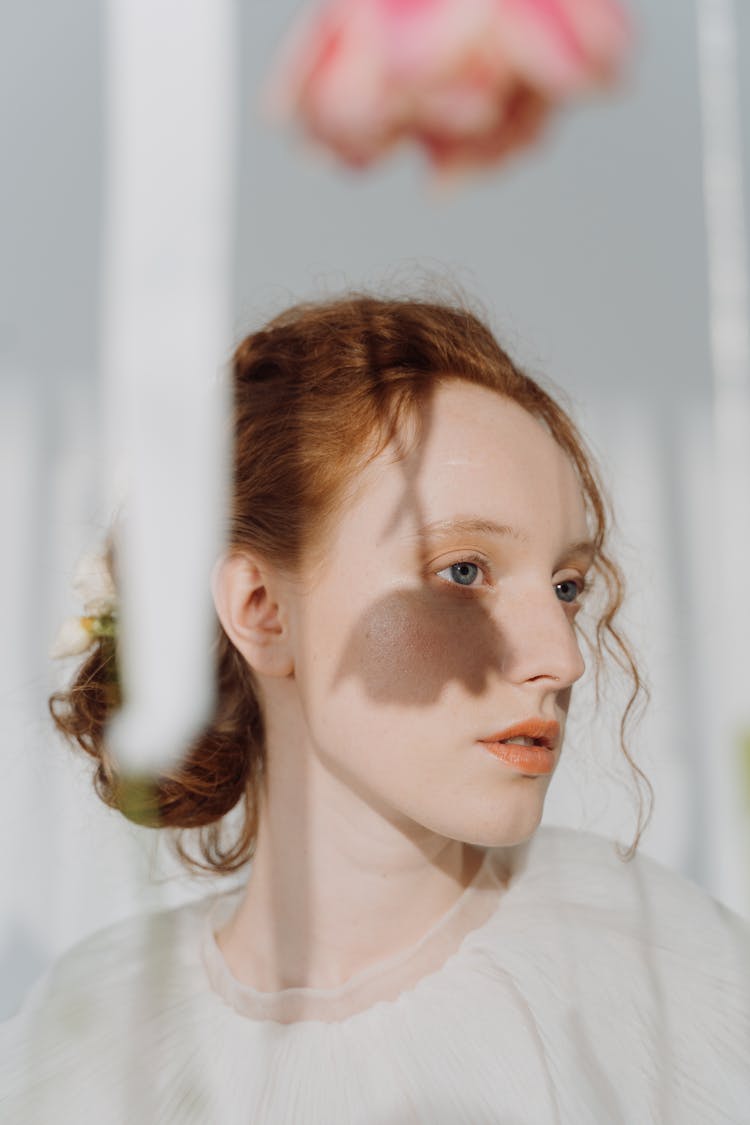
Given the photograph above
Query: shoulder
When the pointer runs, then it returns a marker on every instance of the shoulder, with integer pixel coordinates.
(572, 897)
(625, 963)
(115, 955)
(580, 865)
(95, 1005)
(584, 877)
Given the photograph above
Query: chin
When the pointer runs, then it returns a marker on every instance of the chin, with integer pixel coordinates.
(504, 829)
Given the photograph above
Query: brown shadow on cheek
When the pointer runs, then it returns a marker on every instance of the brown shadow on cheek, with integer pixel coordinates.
(410, 644)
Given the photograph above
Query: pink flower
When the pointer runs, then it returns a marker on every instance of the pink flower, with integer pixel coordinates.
(468, 80)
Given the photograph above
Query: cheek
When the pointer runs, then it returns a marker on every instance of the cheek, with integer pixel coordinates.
(409, 645)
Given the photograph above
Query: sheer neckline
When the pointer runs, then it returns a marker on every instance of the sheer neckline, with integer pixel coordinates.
(383, 981)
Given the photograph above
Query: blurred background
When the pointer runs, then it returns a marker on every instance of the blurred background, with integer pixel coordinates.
(590, 256)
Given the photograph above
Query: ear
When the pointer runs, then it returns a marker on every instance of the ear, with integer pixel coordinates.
(247, 596)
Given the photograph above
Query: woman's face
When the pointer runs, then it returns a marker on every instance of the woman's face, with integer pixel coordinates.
(444, 614)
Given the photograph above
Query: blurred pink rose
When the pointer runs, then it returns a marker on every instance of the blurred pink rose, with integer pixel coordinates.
(469, 80)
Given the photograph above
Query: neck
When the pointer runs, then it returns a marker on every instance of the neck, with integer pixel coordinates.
(335, 886)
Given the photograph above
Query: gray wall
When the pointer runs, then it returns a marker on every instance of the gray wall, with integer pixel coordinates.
(589, 252)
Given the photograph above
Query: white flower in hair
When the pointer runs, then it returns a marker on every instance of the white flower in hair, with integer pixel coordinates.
(93, 584)
(95, 588)
(73, 638)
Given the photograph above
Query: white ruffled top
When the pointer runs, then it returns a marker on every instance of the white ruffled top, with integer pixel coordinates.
(564, 986)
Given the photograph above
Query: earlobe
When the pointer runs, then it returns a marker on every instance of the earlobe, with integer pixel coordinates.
(247, 604)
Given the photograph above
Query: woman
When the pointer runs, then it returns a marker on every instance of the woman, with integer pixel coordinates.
(416, 528)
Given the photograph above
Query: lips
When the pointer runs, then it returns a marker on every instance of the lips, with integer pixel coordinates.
(545, 732)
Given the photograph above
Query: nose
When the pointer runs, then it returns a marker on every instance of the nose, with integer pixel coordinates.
(538, 640)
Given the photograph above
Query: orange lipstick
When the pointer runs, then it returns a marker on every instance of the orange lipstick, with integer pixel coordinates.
(538, 758)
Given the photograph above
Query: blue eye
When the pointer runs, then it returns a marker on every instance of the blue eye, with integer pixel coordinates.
(464, 572)
(569, 590)
(460, 572)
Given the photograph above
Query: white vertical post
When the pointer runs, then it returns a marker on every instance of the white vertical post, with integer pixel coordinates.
(169, 174)
(730, 347)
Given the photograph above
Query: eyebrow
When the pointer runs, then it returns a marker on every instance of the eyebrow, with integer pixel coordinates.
(472, 525)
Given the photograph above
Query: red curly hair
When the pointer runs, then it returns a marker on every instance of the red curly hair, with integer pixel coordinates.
(310, 391)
